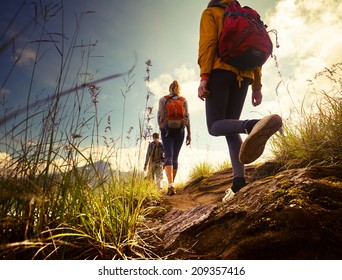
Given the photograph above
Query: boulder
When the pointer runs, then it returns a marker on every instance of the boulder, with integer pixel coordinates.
(294, 214)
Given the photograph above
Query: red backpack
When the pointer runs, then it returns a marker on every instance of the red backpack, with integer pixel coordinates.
(175, 112)
(244, 42)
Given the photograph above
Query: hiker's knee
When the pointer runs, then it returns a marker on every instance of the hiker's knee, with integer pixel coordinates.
(212, 131)
(168, 161)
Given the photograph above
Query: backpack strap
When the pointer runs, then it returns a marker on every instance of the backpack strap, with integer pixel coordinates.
(235, 14)
(223, 6)
(168, 97)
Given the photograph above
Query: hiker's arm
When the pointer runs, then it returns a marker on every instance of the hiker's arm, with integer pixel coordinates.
(187, 123)
(256, 87)
(207, 43)
(207, 50)
(188, 136)
(163, 157)
(160, 113)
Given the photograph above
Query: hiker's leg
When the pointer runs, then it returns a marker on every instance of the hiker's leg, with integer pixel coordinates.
(168, 143)
(174, 173)
(223, 110)
(221, 85)
(159, 176)
(155, 172)
(149, 171)
(178, 142)
(234, 143)
(169, 173)
(237, 96)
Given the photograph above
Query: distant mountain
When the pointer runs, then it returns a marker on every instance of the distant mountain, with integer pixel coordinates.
(101, 167)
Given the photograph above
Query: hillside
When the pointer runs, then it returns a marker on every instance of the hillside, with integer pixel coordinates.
(293, 214)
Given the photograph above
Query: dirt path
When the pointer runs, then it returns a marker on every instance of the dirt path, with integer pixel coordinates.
(189, 204)
(202, 191)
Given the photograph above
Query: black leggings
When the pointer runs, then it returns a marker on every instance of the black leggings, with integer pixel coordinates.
(172, 143)
(223, 110)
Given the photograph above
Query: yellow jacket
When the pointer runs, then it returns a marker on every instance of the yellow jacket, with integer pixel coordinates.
(210, 30)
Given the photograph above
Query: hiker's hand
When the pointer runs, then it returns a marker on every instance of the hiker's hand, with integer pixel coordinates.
(188, 140)
(202, 90)
(256, 97)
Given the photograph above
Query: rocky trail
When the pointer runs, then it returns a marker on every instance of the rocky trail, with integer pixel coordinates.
(292, 214)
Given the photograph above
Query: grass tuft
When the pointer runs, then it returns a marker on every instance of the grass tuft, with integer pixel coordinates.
(316, 137)
(203, 169)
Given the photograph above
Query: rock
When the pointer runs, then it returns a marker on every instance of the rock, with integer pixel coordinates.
(179, 221)
(295, 214)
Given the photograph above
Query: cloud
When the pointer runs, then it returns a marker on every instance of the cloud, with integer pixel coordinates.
(7, 165)
(185, 73)
(160, 85)
(308, 28)
(25, 57)
(309, 38)
(4, 158)
(4, 91)
(188, 80)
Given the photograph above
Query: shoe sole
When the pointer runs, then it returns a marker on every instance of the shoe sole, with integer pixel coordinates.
(254, 145)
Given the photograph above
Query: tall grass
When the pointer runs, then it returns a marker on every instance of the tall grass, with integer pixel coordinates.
(315, 138)
(74, 219)
(50, 207)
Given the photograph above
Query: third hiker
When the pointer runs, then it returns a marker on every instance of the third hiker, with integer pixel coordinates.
(155, 160)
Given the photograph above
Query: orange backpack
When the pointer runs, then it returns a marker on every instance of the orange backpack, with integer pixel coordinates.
(175, 112)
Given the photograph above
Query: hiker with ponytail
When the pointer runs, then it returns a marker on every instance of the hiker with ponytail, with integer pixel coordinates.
(226, 72)
(173, 118)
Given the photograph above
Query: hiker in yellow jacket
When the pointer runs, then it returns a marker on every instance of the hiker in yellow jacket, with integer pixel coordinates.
(224, 89)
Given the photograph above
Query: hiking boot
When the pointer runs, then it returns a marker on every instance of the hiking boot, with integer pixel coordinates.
(171, 191)
(229, 195)
(254, 145)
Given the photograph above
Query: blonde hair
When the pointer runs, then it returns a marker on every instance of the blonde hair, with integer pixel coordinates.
(174, 88)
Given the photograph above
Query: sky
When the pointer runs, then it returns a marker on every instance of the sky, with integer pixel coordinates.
(127, 33)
